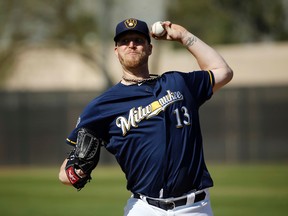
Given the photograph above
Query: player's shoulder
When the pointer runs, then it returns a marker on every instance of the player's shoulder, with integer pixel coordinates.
(172, 73)
(195, 77)
(113, 93)
(169, 74)
(176, 75)
(182, 74)
(107, 95)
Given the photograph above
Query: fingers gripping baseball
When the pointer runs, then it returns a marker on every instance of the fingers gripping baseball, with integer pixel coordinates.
(169, 31)
(158, 30)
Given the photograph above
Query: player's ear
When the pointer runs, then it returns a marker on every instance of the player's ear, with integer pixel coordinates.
(116, 50)
(150, 49)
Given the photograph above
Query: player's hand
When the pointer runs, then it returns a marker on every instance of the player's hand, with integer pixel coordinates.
(174, 32)
(80, 173)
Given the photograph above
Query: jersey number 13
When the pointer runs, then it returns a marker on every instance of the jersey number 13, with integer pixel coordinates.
(182, 117)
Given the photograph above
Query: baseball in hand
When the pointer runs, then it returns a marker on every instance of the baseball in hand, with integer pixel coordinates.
(158, 30)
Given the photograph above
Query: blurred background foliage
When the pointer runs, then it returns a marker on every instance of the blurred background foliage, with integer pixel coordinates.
(77, 24)
(226, 21)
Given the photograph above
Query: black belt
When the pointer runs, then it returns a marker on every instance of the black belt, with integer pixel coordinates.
(170, 204)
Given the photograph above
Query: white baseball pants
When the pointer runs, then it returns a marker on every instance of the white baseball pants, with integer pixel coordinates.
(138, 207)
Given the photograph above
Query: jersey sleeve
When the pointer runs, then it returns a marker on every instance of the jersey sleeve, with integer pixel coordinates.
(90, 119)
(201, 85)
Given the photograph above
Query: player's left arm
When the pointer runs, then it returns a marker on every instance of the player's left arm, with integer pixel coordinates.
(62, 174)
(83, 158)
(207, 57)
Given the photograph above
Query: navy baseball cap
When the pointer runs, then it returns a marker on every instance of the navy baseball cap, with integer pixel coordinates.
(132, 24)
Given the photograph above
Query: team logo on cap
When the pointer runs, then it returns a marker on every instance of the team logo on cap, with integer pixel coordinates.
(130, 23)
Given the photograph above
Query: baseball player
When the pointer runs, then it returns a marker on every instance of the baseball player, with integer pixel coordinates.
(151, 125)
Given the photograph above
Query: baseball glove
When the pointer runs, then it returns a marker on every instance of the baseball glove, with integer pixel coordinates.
(83, 158)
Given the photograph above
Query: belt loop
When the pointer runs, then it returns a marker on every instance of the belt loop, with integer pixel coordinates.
(190, 198)
(143, 198)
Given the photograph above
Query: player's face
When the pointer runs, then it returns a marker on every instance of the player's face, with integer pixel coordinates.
(133, 50)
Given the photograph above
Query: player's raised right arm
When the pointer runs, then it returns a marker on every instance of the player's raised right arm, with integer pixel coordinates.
(207, 57)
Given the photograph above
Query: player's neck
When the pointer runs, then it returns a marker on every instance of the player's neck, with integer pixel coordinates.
(130, 79)
(139, 76)
(136, 73)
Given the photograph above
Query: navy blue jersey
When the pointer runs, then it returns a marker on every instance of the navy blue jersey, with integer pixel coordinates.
(154, 132)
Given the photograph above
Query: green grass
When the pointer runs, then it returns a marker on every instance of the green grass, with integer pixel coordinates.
(239, 190)
(250, 190)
